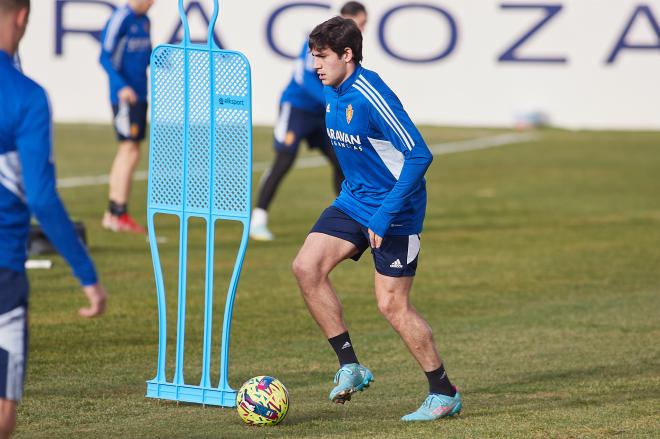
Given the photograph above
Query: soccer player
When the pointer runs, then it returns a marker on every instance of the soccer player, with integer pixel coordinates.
(381, 205)
(125, 52)
(27, 186)
(302, 117)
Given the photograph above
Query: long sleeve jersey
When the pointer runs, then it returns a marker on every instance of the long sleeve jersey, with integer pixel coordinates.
(382, 154)
(125, 52)
(27, 176)
(305, 90)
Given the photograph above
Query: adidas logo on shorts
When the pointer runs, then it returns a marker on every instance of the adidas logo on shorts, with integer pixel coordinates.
(396, 264)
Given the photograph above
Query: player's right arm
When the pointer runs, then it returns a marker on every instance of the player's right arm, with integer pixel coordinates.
(34, 145)
(114, 31)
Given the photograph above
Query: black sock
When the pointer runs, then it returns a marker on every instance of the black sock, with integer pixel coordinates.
(439, 382)
(343, 348)
(117, 209)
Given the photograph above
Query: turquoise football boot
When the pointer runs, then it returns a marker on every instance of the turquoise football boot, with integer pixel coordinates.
(435, 407)
(350, 378)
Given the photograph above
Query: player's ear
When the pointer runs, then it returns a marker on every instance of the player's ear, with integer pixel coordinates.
(22, 17)
(348, 55)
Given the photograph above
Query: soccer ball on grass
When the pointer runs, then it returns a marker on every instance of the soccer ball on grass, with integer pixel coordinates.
(262, 400)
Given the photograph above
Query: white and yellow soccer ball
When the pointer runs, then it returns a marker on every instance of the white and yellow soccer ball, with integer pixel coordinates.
(262, 400)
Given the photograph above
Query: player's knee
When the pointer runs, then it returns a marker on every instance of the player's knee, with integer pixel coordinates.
(391, 309)
(305, 271)
(300, 268)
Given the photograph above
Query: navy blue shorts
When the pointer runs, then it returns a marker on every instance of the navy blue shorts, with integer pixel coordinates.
(295, 125)
(13, 333)
(397, 255)
(130, 121)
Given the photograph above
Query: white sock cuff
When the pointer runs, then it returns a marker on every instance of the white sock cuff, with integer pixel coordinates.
(259, 217)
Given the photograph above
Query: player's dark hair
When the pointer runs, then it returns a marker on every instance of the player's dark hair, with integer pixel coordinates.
(12, 5)
(352, 9)
(337, 34)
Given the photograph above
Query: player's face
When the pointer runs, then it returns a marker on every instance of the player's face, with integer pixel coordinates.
(360, 19)
(332, 68)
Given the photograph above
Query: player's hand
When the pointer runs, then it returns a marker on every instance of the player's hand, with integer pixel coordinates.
(97, 297)
(127, 94)
(374, 240)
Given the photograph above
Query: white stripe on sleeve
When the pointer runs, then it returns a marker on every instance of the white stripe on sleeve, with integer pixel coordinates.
(113, 28)
(387, 107)
(358, 85)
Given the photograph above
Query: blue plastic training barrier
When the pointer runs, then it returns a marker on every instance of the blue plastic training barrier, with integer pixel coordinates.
(200, 166)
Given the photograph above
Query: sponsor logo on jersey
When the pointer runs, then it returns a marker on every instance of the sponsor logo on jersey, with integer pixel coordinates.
(138, 44)
(344, 137)
(349, 113)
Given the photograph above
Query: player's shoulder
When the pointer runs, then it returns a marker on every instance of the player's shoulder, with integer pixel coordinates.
(119, 15)
(372, 89)
(25, 87)
(373, 81)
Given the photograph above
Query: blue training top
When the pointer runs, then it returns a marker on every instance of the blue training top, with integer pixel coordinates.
(381, 152)
(305, 90)
(125, 52)
(27, 176)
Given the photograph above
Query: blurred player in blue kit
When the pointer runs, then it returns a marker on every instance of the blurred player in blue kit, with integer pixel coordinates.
(125, 54)
(301, 117)
(27, 187)
(381, 206)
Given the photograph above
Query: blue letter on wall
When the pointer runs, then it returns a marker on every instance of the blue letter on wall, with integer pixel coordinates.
(61, 30)
(453, 32)
(510, 55)
(271, 23)
(623, 44)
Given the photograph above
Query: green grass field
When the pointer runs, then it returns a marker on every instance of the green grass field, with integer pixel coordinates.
(539, 272)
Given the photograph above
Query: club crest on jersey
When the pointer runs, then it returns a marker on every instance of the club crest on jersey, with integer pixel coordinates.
(349, 113)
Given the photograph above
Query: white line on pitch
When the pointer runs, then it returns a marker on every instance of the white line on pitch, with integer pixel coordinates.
(319, 161)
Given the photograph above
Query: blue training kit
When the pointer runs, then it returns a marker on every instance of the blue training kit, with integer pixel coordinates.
(305, 90)
(27, 178)
(382, 154)
(125, 52)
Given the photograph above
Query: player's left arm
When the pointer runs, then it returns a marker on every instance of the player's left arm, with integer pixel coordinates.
(388, 115)
(34, 143)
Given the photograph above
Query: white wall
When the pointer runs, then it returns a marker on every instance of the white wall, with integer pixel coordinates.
(469, 86)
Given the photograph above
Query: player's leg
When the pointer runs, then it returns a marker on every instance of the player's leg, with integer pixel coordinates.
(13, 345)
(123, 166)
(286, 141)
(396, 263)
(393, 296)
(130, 126)
(7, 418)
(270, 182)
(333, 238)
(318, 256)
